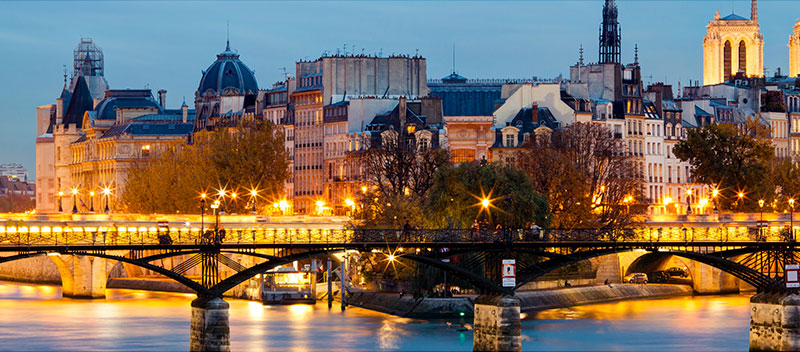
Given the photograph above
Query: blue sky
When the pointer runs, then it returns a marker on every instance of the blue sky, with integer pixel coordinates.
(167, 44)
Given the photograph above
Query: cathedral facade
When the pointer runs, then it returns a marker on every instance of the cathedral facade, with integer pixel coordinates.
(733, 44)
(794, 52)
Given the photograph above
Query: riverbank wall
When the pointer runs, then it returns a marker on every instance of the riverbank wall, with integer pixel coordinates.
(430, 308)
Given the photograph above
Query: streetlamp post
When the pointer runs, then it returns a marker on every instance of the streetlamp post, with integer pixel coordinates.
(688, 201)
(91, 201)
(107, 197)
(202, 213)
(741, 201)
(253, 195)
(60, 196)
(714, 194)
(75, 200)
(791, 216)
(761, 218)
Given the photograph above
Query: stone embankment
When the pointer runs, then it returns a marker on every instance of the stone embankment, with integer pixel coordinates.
(429, 308)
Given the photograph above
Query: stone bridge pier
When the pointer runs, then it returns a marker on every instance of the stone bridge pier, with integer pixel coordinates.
(775, 322)
(497, 325)
(210, 325)
(82, 276)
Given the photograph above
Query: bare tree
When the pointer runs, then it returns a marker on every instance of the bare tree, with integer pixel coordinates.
(587, 178)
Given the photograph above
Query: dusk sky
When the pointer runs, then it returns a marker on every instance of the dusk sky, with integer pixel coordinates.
(167, 44)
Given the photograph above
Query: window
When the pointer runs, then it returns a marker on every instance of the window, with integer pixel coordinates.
(463, 155)
(509, 140)
(145, 151)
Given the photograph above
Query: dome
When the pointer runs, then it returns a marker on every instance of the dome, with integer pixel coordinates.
(228, 76)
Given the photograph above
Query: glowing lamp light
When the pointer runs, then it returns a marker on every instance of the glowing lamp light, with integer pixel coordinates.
(106, 191)
(91, 193)
(760, 203)
(221, 193)
(283, 204)
(391, 257)
(740, 195)
(253, 193)
(714, 192)
(203, 195)
(233, 195)
(60, 193)
(349, 202)
(363, 189)
(74, 191)
(703, 202)
(320, 204)
(485, 202)
(667, 201)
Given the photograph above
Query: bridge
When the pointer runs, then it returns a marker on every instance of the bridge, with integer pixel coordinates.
(82, 255)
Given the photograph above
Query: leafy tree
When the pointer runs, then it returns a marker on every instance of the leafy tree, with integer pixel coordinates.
(732, 158)
(237, 159)
(455, 200)
(586, 177)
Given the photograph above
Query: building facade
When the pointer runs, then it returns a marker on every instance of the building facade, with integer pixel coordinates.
(733, 44)
(794, 52)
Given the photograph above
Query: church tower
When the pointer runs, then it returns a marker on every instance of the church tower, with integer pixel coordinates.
(610, 40)
(794, 52)
(733, 44)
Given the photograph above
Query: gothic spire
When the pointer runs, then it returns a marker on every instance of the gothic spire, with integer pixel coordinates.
(754, 11)
(610, 39)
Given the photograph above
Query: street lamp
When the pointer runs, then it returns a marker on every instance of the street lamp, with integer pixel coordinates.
(688, 201)
(485, 203)
(320, 207)
(791, 215)
(761, 218)
(60, 196)
(667, 200)
(253, 195)
(74, 200)
(283, 204)
(215, 206)
(202, 212)
(741, 201)
(106, 195)
(714, 194)
(91, 201)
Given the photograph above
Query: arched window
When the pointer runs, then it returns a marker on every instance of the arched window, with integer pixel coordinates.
(727, 56)
(742, 57)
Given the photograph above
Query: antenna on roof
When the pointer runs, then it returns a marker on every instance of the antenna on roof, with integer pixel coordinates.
(65, 76)
(581, 55)
(454, 58)
(228, 35)
(636, 53)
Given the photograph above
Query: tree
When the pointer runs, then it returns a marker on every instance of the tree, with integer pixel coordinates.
(732, 158)
(586, 177)
(238, 159)
(455, 200)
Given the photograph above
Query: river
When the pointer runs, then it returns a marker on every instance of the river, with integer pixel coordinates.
(35, 317)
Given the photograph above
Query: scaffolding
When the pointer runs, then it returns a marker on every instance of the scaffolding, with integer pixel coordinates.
(87, 59)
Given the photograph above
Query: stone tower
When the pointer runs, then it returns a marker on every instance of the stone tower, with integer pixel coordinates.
(794, 52)
(733, 44)
(610, 39)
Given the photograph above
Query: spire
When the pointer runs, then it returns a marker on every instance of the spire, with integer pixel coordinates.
(610, 39)
(754, 11)
(228, 36)
(717, 16)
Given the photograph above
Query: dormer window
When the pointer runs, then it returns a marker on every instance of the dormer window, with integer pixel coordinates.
(510, 141)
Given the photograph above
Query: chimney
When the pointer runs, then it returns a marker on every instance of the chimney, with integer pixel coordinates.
(535, 112)
(401, 113)
(185, 110)
(162, 98)
(59, 108)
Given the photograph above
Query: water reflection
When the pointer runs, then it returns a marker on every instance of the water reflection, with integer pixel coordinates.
(35, 317)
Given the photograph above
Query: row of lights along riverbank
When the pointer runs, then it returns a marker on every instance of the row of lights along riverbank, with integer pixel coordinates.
(105, 191)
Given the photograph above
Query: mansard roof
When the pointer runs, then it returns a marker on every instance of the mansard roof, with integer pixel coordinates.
(150, 128)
